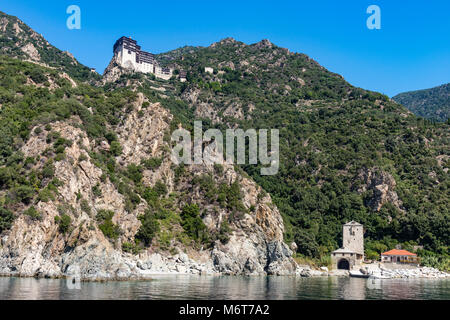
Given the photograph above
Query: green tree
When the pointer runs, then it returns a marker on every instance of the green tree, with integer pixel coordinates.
(115, 148)
(25, 194)
(148, 229)
(306, 243)
(192, 223)
(6, 219)
(108, 228)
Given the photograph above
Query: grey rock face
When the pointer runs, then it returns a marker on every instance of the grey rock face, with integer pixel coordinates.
(382, 185)
(38, 248)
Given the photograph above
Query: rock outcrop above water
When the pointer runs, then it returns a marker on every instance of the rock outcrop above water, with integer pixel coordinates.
(37, 247)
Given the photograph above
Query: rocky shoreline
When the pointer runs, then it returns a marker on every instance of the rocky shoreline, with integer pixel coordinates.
(419, 272)
(90, 263)
(144, 267)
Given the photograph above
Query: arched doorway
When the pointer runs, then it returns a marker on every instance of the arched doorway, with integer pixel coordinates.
(343, 264)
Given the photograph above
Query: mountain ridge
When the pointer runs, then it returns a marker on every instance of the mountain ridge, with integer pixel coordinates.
(18, 40)
(433, 103)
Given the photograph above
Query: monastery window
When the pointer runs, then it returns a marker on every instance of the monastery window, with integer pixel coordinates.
(352, 232)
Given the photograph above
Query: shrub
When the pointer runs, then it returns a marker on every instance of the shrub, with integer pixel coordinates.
(439, 259)
(64, 222)
(160, 188)
(96, 190)
(224, 232)
(440, 262)
(131, 247)
(306, 243)
(134, 198)
(60, 156)
(6, 219)
(45, 195)
(109, 229)
(62, 143)
(179, 171)
(372, 255)
(115, 148)
(49, 169)
(82, 157)
(33, 213)
(192, 223)
(84, 205)
(29, 161)
(24, 194)
(325, 261)
(231, 197)
(152, 163)
(207, 184)
(150, 195)
(148, 229)
(134, 172)
(103, 215)
(111, 136)
(218, 169)
(374, 248)
(6, 177)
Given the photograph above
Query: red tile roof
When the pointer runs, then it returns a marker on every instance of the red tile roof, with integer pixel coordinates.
(396, 252)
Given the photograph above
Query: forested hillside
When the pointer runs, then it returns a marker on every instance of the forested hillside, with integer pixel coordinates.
(346, 153)
(86, 182)
(433, 104)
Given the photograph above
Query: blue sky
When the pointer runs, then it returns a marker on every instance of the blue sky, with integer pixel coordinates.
(411, 51)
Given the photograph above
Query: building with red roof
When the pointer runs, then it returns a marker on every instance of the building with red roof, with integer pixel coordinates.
(399, 256)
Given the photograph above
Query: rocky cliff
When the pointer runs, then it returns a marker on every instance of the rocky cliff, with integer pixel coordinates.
(38, 247)
(380, 185)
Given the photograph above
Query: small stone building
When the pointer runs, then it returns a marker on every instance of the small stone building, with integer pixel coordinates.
(352, 252)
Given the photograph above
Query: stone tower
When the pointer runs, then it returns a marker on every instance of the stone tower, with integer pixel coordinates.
(351, 254)
(353, 237)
